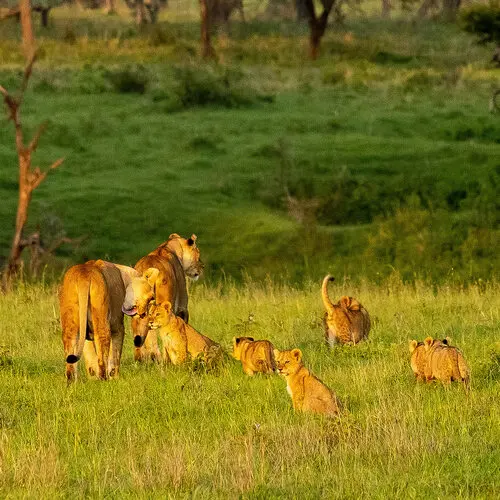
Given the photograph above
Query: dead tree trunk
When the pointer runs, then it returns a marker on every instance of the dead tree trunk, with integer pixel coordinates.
(29, 178)
(317, 25)
(27, 29)
(207, 51)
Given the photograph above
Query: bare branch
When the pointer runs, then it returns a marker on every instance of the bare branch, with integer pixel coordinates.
(14, 11)
(56, 164)
(34, 142)
(61, 241)
(26, 77)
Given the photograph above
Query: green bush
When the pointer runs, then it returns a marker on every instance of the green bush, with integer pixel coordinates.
(130, 79)
(483, 21)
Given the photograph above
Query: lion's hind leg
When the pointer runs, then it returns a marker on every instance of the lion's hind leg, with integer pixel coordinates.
(90, 356)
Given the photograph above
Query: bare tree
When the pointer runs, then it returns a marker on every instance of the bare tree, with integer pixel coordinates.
(27, 29)
(207, 50)
(29, 178)
(317, 24)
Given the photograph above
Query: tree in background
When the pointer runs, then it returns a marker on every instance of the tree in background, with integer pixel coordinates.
(317, 25)
(484, 21)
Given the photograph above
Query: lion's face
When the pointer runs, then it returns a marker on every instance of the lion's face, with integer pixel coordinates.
(288, 362)
(188, 253)
(238, 343)
(159, 315)
(139, 293)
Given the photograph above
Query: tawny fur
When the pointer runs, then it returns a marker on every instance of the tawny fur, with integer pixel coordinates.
(418, 359)
(347, 321)
(256, 356)
(308, 393)
(445, 363)
(91, 298)
(181, 341)
(176, 258)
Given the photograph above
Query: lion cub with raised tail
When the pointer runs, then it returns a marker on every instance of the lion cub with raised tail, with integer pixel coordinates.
(256, 356)
(307, 391)
(180, 340)
(445, 362)
(347, 321)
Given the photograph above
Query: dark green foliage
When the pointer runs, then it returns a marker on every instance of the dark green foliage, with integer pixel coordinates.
(483, 21)
(130, 79)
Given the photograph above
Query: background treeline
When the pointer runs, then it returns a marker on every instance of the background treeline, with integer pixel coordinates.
(381, 156)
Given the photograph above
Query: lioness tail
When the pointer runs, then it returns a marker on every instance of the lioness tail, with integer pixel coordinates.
(83, 302)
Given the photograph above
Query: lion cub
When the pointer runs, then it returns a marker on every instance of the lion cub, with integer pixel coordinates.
(445, 363)
(255, 355)
(307, 391)
(418, 359)
(347, 321)
(180, 339)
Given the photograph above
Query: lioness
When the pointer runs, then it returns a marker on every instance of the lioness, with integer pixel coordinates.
(445, 363)
(255, 355)
(91, 299)
(307, 391)
(347, 321)
(175, 259)
(179, 339)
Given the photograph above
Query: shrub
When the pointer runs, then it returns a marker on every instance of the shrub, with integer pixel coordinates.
(130, 79)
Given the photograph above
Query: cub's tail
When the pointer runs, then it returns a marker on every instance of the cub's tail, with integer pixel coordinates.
(324, 294)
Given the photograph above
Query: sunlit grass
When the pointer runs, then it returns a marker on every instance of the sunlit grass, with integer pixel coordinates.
(163, 431)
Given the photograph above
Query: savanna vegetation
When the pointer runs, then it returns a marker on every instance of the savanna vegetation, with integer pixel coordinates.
(379, 162)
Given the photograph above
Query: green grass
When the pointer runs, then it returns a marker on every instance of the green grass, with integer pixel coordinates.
(165, 432)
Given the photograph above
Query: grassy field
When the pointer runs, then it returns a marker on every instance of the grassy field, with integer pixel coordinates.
(393, 116)
(164, 432)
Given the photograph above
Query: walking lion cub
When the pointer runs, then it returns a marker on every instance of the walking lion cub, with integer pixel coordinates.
(308, 393)
(180, 340)
(347, 321)
(255, 355)
(445, 362)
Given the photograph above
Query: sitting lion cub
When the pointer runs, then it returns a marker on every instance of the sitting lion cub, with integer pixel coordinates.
(255, 355)
(445, 363)
(347, 321)
(307, 391)
(180, 339)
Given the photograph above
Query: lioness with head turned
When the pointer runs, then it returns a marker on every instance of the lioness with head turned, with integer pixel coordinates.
(91, 299)
(180, 340)
(256, 356)
(308, 393)
(175, 259)
(347, 321)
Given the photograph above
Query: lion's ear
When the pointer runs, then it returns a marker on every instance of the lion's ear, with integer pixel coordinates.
(151, 275)
(251, 339)
(276, 353)
(173, 235)
(446, 341)
(428, 342)
(192, 240)
(167, 306)
(413, 345)
(297, 354)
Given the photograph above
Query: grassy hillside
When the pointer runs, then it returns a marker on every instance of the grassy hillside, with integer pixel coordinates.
(161, 432)
(389, 131)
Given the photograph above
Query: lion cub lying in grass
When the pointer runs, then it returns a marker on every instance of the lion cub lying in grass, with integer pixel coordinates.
(255, 355)
(435, 359)
(307, 391)
(181, 340)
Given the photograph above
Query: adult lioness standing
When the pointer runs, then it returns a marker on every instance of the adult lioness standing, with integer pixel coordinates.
(91, 299)
(175, 259)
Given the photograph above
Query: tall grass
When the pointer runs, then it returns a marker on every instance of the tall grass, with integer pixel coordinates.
(165, 432)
